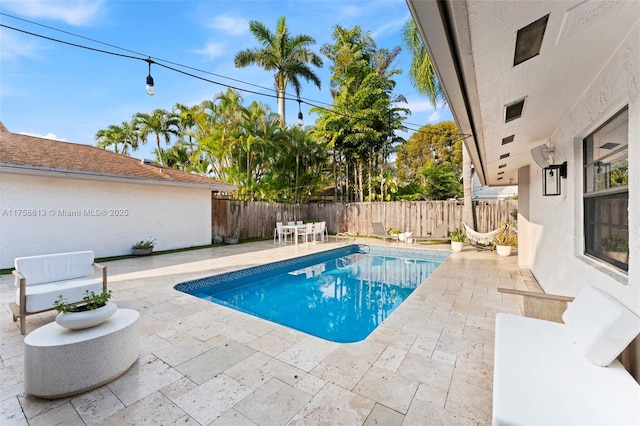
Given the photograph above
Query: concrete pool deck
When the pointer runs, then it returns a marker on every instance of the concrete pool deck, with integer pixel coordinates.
(430, 362)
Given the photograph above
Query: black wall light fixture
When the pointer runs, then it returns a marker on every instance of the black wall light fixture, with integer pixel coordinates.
(551, 178)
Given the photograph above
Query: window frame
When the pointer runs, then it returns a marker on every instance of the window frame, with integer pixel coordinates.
(596, 200)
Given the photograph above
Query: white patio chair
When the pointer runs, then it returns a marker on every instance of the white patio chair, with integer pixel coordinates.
(306, 232)
(318, 230)
(325, 231)
(279, 232)
(299, 222)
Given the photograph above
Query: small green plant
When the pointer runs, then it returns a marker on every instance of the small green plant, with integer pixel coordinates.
(90, 302)
(394, 231)
(505, 238)
(144, 244)
(458, 235)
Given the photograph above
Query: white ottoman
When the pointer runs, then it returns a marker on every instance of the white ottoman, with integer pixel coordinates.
(59, 362)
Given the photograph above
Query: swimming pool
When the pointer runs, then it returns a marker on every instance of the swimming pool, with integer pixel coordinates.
(340, 295)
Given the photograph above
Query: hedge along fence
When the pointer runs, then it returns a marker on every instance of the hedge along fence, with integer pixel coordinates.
(254, 219)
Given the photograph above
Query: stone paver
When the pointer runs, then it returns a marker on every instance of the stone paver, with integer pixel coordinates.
(430, 362)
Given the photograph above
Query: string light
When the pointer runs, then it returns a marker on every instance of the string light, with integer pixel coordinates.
(150, 89)
(150, 82)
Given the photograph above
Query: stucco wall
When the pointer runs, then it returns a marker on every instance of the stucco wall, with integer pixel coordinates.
(556, 229)
(65, 214)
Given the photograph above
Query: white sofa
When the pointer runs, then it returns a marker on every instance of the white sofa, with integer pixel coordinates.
(549, 373)
(40, 280)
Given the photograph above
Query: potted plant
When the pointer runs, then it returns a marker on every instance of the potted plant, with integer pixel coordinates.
(458, 237)
(94, 310)
(233, 238)
(504, 241)
(143, 247)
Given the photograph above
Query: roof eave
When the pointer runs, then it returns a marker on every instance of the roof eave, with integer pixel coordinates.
(444, 30)
(87, 175)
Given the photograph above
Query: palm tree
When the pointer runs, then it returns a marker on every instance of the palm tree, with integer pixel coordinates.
(161, 123)
(186, 116)
(288, 56)
(421, 73)
(114, 135)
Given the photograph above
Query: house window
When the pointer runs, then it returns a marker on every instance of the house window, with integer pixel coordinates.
(606, 192)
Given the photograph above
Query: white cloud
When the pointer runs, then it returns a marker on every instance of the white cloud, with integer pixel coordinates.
(230, 25)
(435, 117)
(73, 12)
(391, 26)
(14, 46)
(421, 105)
(350, 12)
(211, 50)
(47, 136)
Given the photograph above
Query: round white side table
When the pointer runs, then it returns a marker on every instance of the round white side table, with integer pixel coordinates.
(60, 362)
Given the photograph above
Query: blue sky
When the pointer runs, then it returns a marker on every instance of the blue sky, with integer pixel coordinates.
(54, 90)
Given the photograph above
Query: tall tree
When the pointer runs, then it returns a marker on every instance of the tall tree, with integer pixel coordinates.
(289, 56)
(161, 123)
(438, 143)
(362, 119)
(421, 73)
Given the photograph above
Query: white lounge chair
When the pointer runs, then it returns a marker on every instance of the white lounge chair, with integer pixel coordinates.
(380, 232)
(441, 233)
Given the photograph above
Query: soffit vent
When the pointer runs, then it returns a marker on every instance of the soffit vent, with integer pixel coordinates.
(514, 110)
(609, 145)
(502, 166)
(529, 40)
(508, 139)
(500, 178)
(501, 173)
(503, 156)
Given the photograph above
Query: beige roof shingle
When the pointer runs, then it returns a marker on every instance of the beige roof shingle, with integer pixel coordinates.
(22, 151)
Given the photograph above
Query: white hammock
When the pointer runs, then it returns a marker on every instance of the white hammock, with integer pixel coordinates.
(480, 237)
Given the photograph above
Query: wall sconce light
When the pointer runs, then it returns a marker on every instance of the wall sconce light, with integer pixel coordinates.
(150, 89)
(551, 178)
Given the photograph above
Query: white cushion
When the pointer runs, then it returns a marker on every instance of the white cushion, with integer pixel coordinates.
(41, 297)
(540, 378)
(599, 325)
(55, 267)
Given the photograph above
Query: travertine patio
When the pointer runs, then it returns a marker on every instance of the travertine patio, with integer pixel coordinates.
(429, 363)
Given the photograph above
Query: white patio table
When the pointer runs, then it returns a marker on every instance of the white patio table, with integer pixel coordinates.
(295, 229)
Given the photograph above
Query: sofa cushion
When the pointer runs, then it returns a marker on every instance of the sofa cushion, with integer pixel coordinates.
(41, 297)
(55, 267)
(540, 378)
(599, 325)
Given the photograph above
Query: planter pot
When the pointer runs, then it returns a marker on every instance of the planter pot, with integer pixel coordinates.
(141, 251)
(230, 240)
(404, 236)
(86, 319)
(457, 245)
(503, 250)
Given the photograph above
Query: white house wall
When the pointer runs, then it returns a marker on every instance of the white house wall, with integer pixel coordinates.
(555, 223)
(46, 214)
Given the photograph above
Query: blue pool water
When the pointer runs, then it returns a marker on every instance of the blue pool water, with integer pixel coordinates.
(340, 295)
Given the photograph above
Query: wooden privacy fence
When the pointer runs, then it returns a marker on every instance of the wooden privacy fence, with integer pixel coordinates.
(253, 219)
